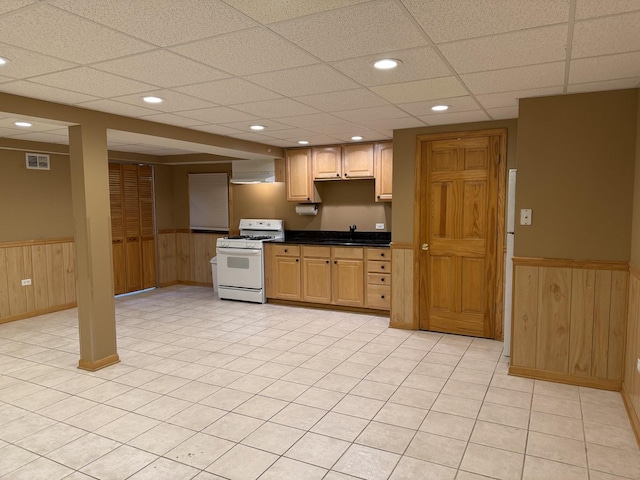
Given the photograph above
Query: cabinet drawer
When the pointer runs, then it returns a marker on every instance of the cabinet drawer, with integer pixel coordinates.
(382, 266)
(378, 279)
(378, 254)
(313, 251)
(286, 250)
(379, 296)
(347, 252)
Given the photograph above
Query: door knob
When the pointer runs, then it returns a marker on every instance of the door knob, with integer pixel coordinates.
(425, 246)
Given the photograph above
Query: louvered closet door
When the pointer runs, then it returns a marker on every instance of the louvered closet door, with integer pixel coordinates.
(145, 182)
(117, 229)
(132, 230)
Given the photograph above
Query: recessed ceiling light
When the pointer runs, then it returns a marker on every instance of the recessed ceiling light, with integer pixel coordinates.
(152, 99)
(440, 108)
(356, 137)
(386, 63)
(303, 142)
(23, 124)
(3, 61)
(257, 127)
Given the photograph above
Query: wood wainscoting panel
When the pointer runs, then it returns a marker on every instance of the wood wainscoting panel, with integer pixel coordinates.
(167, 258)
(631, 382)
(49, 264)
(569, 321)
(183, 256)
(402, 288)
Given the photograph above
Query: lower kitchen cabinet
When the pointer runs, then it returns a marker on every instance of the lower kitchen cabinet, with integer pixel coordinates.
(378, 278)
(316, 274)
(283, 272)
(347, 276)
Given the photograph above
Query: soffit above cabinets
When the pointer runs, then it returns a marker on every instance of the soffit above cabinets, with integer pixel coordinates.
(303, 69)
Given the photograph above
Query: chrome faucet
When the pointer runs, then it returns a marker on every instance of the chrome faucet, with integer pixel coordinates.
(352, 230)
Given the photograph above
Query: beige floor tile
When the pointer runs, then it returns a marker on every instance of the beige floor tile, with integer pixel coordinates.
(66, 408)
(442, 358)
(555, 448)
(196, 417)
(304, 376)
(605, 414)
(375, 390)
(40, 469)
(164, 384)
(600, 397)
(50, 438)
(464, 389)
(611, 436)
(96, 417)
(298, 416)
(24, 426)
(511, 398)
(226, 399)
(557, 425)
(340, 426)
(233, 427)
(543, 469)
(504, 415)
(338, 383)
(200, 450)
(318, 450)
(613, 461)
(499, 436)
(242, 463)
(413, 397)
(283, 390)
(437, 449)
(119, 464)
(386, 437)
(434, 370)
(125, 428)
(353, 369)
(288, 469)
(492, 462)
(365, 462)
(560, 390)
(510, 382)
(41, 399)
(463, 407)
(261, 407)
(273, 438)
(358, 406)
(251, 383)
(556, 406)
(411, 469)
(471, 376)
(165, 469)
(105, 392)
(425, 382)
(194, 391)
(13, 457)
(221, 377)
(448, 425)
(401, 415)
(162, 438)
(462, 475)
(320, 398)
(83, 451)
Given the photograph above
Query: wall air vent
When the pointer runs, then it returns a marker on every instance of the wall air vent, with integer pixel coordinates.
(38, 161)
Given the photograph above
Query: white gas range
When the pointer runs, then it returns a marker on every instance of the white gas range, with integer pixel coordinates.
(241, 260)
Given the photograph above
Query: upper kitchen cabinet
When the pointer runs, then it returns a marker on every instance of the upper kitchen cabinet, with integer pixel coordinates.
(299, 179)
(383, 164)
(357, 161)
(327, 163)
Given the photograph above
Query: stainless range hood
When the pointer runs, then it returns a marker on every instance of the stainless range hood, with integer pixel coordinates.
(253, 171)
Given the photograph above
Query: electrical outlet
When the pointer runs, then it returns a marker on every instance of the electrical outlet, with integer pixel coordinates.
(525, 216)
(379, 226)
(26, 282)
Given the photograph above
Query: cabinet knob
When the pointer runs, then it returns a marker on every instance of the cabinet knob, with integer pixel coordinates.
(382, 279)
(335, 262)
(327, 261)
(285, 250)
(382, 254)
(337, 174)
(381, 296)
(381, 267)
(297, 259)
(346, 174)
(378, 196)
(308, 198)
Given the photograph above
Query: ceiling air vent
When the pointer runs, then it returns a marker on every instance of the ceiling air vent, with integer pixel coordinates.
(38, 161)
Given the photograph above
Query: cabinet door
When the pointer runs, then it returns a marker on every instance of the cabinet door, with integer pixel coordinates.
(287, 278)
(384, 171)
(327, 163)
(147, 226)
(316, 280)
(348, 282)
(298, 176)
(358, 161)
(133, 260)
(119, 269)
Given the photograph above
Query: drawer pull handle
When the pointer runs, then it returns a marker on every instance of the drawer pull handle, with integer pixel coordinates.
(285, 250)
(327, 261)
(382, 254)
(382, 279)
(335, 262)
(297, 259)
(381, 296)
(381, 267)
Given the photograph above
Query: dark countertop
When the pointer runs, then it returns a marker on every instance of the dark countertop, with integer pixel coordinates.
(335, 238)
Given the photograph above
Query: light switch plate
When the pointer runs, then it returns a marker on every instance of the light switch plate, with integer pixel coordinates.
(379, 226)
(638, 365)
(26, 282)
(525, 216)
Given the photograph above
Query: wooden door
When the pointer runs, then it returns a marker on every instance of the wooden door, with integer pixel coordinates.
(117, 230)
(133, 237)
(147, 226)
(458, 234)
(316, 280)
(358, 161)
(327, 163)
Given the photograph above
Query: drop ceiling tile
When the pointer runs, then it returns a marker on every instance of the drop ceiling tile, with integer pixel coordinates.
(63, 35)
(283, 107)
(44, 92)
(605, 85)
(306, 80)
(371, 137)
(173, 101)
(218, 115)
(161, 152)
(217, 129)
(445, 21)
(374, 113)
(510, 99)
(28, 63)
(162, 22)
(343, 100)
(456, 117)
(162, 68)
(312, 120)
(37, 125)
(346, 130)
(608, 35)
(527, 47)
(119, 108)
(393, 124)
(255, 50)
(6, 79)
(290, 133)
(171, 119)
(597, 8)
(503, 113)
(597, 69)
(417, 63)
(270, 11)
(252, 137)
(354, 31)
(457, 104)
(270, 125)
(313, 140)
(92, 82)
(420, 90)
(40, 137)
(229, 91)
(11, 5)
(518, 78)
(281, 143)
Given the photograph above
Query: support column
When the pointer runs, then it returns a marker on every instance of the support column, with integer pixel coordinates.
(94, 264)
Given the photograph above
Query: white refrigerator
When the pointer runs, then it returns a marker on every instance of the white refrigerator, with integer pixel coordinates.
(508, 289)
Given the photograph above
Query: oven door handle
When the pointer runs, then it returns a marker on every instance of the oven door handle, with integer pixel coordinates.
(245, 252)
